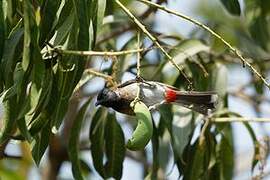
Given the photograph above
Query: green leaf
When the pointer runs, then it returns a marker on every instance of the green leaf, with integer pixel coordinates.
(39, 79)
(77, 38)
(166, 116)
(28, 34)
(44, 97)
(232, 6)
(260, 32)
(2, 30)
(48, 15)
(9, 55)
(182, 128)
(23, 129)
(195, 168)
(41, 143)
(97, 13)
(38, 123)
(64, 28)
(96, 136)
(144, 130)
(124, 63)
(115, 148)
(226, 155)
(17, 80)
(155, 153)
(9, 118)
(74, 139)
(164, 151)
(85, 168)
(255, 144)
(185, 49)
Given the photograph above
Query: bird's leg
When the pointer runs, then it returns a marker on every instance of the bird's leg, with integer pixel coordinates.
(156, 105)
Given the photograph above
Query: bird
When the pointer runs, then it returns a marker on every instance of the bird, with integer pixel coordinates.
(154, 94)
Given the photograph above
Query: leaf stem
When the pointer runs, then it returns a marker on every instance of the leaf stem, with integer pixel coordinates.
(239, 119)
(101, 53)
(98, 74)
(235, 51)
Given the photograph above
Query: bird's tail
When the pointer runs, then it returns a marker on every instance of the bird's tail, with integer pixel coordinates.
(201, 102)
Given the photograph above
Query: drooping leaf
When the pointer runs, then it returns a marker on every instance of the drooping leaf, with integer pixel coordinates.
(38, 123)
(195, 164)
(9, 55)
(73, 143)
(8, 120)
(97, 13)
(96, 136)
(64, 25)
(44, 98)
(232, 6)
(255, 144)
(48, 15)
(2, 30)
(180, 53)
(28, 34)
(78, 38)
(260, 32)
(41, 143)
(115, 148)
(23, 129)
(182, 127)
(226, 155)
(155, 154)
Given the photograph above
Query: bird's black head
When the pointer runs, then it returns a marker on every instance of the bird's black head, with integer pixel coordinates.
(106, 97)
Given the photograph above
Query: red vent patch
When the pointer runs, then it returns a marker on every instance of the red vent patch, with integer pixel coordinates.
(170, 95)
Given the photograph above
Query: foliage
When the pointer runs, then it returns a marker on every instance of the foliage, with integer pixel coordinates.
(45, 72)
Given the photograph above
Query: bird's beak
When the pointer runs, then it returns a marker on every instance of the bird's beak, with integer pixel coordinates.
(97, 103)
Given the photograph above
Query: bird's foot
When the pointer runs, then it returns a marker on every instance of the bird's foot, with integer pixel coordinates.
(154, 107)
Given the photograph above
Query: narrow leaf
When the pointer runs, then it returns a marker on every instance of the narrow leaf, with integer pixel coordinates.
(115, 148)
(96, 136)
(41, 143)
(74, 139)
(232, 6)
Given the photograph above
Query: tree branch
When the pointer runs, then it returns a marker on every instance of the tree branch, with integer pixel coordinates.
(154, 39)
(234, 50)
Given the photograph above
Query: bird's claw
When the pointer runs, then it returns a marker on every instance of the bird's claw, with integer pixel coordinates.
(155, 106)
(151, 108)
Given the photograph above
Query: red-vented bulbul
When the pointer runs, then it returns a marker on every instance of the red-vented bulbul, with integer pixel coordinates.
(153, 94)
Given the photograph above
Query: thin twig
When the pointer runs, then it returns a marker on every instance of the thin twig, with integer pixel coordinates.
(100, 53)
(154, 39)
(97, 53)
(235, 51)
(240, 119)
(98, 74)
(137, 99)
(138, 56)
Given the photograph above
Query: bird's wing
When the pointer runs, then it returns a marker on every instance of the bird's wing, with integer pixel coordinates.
(168, 86)
(127, 83)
